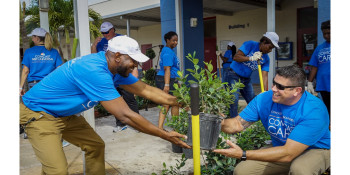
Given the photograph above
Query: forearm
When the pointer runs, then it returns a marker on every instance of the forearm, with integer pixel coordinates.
(167, 75)
(25, 72)
(265, 80)
(274, 154)
(129, 117)
(231, 125)
(152, 93)
(312, 73)
(240, 57)
(224, 59)
(93, 49)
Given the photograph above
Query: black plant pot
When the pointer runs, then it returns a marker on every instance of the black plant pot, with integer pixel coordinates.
(188, 153)
(210, 126)
(175, 148)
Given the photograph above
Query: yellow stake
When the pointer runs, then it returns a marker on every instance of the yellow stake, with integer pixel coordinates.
(196, 145)
(260, 76)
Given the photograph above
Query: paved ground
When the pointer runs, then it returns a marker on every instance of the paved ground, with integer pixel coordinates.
(127, 152)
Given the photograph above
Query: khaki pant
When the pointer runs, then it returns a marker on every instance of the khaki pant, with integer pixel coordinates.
(314, 161)
(45, 134)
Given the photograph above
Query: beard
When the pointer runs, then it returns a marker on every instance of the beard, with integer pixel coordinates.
(123, 71)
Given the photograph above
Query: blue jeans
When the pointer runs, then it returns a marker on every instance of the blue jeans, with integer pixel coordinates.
(224, 70)
(247, 92)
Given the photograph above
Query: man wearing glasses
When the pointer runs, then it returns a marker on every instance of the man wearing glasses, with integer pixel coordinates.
(108, 31)
(297, 122)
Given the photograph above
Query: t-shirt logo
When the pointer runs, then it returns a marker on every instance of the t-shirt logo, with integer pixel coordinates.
(324, 56)
(280, 126)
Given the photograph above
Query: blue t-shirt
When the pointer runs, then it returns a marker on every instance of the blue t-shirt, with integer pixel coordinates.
(103, 44)
(228, 54)
(169, 58)
(306, 122)
(76, 86)
(321, 58)
(40, 62)
(246, 68)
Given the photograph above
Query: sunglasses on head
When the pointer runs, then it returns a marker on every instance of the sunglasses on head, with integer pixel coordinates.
(281, 87)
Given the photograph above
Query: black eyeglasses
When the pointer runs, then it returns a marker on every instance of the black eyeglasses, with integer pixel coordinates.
(281, 87)
(107, 31)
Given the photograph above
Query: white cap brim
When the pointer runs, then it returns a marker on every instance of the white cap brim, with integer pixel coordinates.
(275, 44)
(139, 57)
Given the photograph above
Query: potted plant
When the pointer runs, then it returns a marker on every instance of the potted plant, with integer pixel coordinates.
(215, 98)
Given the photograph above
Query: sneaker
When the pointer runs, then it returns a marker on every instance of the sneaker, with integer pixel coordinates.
(25, 136)
(65, 143)
(120, 128)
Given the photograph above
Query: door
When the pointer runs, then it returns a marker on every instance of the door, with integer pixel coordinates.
(148, 64)
(210, 52)
(306, 34)
(210, 41)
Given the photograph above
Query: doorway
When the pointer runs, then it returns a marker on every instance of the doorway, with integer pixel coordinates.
(210, 41)
(306, 34)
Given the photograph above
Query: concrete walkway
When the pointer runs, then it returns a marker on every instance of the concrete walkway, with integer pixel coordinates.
(128, 152)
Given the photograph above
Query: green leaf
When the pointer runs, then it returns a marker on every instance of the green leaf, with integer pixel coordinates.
(195, 61)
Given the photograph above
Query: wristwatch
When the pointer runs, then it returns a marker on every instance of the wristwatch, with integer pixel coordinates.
(244, 156)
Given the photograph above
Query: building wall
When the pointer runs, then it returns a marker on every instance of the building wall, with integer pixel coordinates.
(255, 22)
(147, 35)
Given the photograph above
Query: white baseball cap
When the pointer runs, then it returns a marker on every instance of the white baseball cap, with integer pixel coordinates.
(38, 32)
(230, 43)
(273, 37)
(106, 26)
(126, 45)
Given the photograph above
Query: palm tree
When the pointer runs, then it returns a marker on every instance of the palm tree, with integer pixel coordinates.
(61, 20)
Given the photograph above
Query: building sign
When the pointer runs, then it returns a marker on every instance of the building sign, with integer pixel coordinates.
(235, 26)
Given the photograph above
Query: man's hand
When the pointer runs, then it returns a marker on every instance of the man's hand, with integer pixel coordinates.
(310, 87)
(166, 89)
(97, 40)
(235, 151)
(257, 55)
(218, 53)
(21, 92)
(174, 137)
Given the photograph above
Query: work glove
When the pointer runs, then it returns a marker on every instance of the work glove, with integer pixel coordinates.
(310, 87)
(257, 55)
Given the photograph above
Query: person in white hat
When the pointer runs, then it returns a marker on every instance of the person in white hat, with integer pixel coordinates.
(50, 111)
(40, 60)
(100, 44)
(227, 58)
(245, 62)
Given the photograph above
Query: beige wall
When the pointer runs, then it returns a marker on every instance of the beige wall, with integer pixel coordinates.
(147, 35)
(286, 25)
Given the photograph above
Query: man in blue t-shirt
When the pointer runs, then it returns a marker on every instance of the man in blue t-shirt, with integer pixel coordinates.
(297, 122)
(245, 62)
(321, 67)
(108, 31)
(50, 110)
